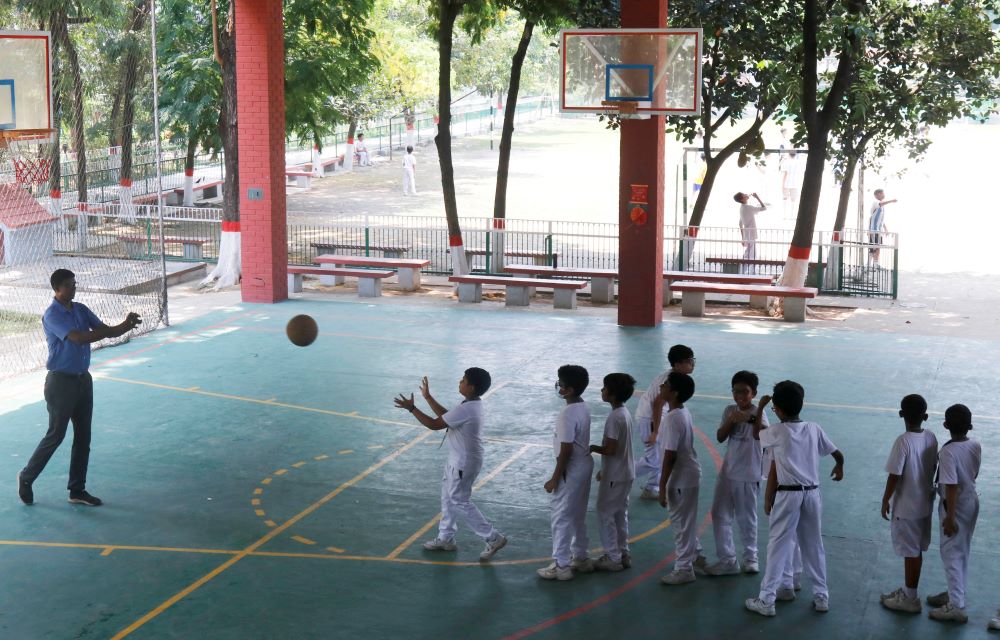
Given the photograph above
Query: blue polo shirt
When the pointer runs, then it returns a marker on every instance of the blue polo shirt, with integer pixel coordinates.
(66, 356)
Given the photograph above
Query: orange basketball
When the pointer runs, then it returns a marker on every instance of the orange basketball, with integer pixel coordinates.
(302, 330)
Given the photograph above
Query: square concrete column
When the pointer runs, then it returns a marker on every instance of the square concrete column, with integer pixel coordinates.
(260, 97)
(640, 241)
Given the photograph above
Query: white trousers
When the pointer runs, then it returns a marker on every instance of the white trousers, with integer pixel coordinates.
(456, 491)
(569, 513)
(955, 549)
(735, 501)
(409, 182)
(612, 517)
(749, 253)
(795, 515)
(683, 505)
(648, 467)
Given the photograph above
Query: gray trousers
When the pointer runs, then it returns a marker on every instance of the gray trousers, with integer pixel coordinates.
(67, 397)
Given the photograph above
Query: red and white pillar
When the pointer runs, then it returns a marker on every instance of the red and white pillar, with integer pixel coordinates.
(641, 177)
(188, 188)
(260, 95)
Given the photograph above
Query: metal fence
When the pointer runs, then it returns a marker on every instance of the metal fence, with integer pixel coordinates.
(852, 263)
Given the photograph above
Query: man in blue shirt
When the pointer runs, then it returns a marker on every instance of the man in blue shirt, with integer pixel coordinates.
(69, 327)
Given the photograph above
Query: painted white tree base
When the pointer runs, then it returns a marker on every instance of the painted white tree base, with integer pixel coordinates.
(793, 275)
(228, 270)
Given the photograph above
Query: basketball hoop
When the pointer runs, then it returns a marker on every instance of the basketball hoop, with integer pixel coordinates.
(624, 109)
(25, 149)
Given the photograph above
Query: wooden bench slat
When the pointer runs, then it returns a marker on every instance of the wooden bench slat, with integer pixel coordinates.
(519, 282)
(561, 271)
(412, 263)
(728, 278)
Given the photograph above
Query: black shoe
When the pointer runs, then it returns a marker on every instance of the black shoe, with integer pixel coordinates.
(24, 490)
(82, 497)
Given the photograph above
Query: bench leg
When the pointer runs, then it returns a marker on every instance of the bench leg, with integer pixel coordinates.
(135, 249)
(758, 302)
(795, 309)
(517, 296)
(564, 298)
(693, 304)
(602, 290)
(369, 287)
(409, 279)
(668, 295)
(332, 280)
(470, 292)
(192, 252)
(294, 283)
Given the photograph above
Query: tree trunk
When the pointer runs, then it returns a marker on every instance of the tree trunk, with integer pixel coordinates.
(130, 66)
(78, 127)
(192, 149)
(846, 187)
(448, 12)
(57, 24)
(352, 129)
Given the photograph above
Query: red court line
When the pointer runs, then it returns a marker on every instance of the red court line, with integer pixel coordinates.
(135, 352)
(631, 584)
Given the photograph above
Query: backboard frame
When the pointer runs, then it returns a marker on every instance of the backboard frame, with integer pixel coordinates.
(40, 125)
(644, 108)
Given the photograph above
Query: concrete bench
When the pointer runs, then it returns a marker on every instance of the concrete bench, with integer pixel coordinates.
(719, 278)
(388, 250)
(408, 269)
(470, 289)
(733, 265)
(369, 280)
(602, 281)
(136, 246)
(693, 297)
(203, 192)
(300, 178)
(540, 258)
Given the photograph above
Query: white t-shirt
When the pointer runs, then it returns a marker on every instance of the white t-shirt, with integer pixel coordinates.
(465, 434)
(958, 463)
(876, 217)
(748, 220)
(409, 162)
(798, 446)
(644, 410)
(744, 455)
(621, 466)
(913, 458)
(677, 434)
(573, 425)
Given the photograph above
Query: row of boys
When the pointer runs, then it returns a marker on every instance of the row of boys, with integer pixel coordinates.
(788, 453)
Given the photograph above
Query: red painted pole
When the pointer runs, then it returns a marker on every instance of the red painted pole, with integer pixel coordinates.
(260, 95)
(640, 242)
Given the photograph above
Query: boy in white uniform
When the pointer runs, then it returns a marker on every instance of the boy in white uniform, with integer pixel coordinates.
(648, 417)
(748, 227)
(409, 173)
(958, 467)
(616, 474)
(798, 507)
(464, 426)
(910, 488)
(738, 484)
(570, 481)
(681, 476)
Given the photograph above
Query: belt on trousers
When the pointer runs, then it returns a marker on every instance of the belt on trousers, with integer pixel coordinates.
(797, 487)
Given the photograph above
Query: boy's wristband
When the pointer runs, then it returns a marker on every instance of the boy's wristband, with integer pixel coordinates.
(412, 409)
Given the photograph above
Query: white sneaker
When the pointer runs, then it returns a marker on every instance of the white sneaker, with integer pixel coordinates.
(437, 544)
(948, 613)
(751, 567)
(649, 494)
(555, 572)
(678, 576)
(994, 622)
(938, 599)
(582, 565)
(898, 601)
(759, 606)
(821, 604)
(492, 547)
(605, 563)
(785, 595)
(723, 568)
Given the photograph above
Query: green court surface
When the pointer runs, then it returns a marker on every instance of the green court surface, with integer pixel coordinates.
(255, 489)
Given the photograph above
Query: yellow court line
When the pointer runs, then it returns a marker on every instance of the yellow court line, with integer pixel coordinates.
(180, 595)
(299, 465)
(322, 457)
(642, 536)
(433, 521)
(255, 502)
(335, 549)
(107, 551)
(344, 452)
(281, 472)
(112, 547)
(266, 481)
(303, 540)
(258, 491)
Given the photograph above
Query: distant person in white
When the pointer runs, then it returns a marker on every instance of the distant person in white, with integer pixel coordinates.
(792, 169)
(409, 177)
(876, 226)
(748, 228)
(362, 150)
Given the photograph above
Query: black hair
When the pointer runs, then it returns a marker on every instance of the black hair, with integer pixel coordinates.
(958, 417)
(479, 379)
(620, 385)
(788, 396)
(737, 197)
(575, 377)
(749, 378)
(60, 276)
(682, 384)
(409, 149)
(913, 408)
(679, 353)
